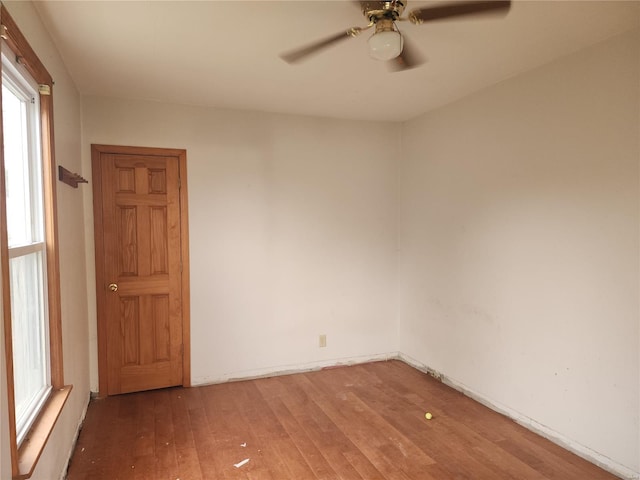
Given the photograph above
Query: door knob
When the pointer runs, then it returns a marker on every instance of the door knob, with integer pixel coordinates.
(113, 287)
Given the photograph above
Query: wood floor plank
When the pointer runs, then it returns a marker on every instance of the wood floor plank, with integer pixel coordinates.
(145, 431)
(352, 423)
(297, 424)
(188, 464)
(182, 433)
(229, 430)
(433, 438)
(294, 425)
(206, 447)
(385, 447)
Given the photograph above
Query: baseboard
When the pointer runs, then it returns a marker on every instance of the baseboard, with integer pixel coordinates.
(582, 451)
(291, 369)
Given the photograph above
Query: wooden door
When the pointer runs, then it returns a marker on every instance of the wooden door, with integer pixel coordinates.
(141, 267)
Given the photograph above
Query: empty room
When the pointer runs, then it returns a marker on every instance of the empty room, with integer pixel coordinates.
(300, 239)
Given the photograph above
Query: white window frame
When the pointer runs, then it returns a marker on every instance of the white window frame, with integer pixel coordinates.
(16, 79)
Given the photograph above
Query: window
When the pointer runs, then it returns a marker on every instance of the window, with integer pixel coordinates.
(28, 250)
(25, 232)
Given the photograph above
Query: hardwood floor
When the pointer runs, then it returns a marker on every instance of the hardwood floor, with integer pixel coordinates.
(360, 422)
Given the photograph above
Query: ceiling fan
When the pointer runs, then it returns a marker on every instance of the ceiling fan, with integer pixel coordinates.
(387, 43)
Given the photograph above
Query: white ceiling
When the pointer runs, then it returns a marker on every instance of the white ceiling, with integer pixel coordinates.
(225, 53)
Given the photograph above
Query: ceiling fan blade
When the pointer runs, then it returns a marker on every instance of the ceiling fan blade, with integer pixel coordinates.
(409, 58)
(458, 9)
(300, 54)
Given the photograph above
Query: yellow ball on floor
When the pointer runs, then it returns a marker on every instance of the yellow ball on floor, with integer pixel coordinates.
(428, 416)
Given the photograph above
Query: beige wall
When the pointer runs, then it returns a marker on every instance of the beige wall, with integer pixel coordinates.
(519, 248)
(72, 258)
(292, 232)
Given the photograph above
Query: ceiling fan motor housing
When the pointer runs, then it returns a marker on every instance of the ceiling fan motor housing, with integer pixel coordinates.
(375, 11)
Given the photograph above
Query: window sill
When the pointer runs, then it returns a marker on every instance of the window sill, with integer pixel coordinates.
(36, 439)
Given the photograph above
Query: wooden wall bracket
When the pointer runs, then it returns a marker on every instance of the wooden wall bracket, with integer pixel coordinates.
(69, 178)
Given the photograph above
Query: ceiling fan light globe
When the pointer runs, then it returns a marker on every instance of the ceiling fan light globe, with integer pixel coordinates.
(385, 45)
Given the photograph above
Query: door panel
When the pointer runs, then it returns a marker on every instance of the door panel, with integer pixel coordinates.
(140, 279)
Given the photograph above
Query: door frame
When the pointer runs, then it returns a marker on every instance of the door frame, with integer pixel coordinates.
(101, 292)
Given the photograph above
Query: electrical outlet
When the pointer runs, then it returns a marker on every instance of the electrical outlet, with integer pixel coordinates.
(323, 341)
